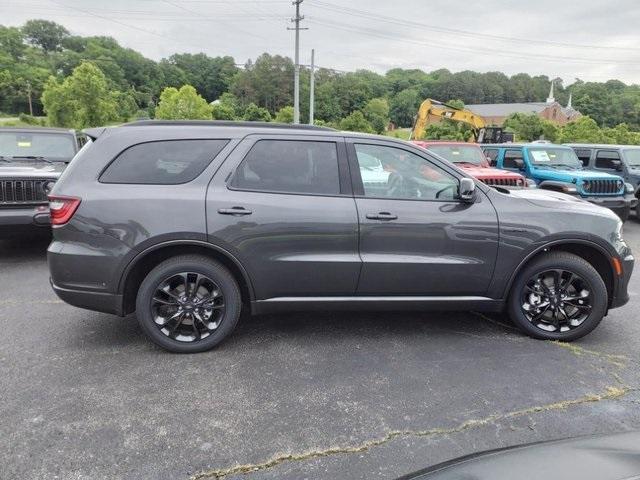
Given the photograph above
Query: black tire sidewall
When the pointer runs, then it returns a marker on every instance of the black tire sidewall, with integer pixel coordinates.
(571, 263)
(211, 269)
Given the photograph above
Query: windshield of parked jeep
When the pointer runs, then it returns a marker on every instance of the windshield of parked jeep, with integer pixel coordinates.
(563, 158)
(460, 154)
(632, 156)
(34, 145)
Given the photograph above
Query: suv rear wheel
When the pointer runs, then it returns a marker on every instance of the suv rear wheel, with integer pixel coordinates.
(188, 304)
(558, 296)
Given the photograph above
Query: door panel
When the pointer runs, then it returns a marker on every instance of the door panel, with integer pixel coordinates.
(425, 242)
(290, 244)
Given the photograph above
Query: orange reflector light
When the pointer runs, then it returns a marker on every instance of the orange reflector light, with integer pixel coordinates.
(617, 266)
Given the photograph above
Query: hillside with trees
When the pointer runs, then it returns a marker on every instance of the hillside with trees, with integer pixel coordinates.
(83, 81)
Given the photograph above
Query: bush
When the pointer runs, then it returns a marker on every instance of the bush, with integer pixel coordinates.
(254, 113)
(356, 123)
(285, 115)
(183, 104)
(31, 120)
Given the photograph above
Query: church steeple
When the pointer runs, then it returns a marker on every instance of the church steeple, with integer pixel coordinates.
(551, 98)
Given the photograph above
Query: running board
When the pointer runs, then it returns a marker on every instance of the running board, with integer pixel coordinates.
(451, 303)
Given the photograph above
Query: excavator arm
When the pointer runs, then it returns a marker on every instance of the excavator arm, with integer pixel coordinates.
(432, 111)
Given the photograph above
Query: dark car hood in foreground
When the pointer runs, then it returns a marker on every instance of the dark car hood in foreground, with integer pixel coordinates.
(35, 169)
(606, 457)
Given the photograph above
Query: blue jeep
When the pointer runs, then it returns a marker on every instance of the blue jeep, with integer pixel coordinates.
(556, 167)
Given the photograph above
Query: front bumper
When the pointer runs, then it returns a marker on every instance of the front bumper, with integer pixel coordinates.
(621, 295)
(31, 215)
(620, 202)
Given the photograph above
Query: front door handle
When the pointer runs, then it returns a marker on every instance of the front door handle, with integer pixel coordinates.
(382, 216)
(236, 211)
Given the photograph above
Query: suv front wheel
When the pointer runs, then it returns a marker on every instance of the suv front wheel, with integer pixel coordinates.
(558, 296)
(188, 304)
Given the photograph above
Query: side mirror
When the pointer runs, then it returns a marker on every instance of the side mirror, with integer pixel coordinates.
(617, 164)
(467, 190)
(519, 163)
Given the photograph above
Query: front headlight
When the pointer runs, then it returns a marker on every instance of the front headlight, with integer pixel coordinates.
(628, 188)
(531, 183)
(569, 189)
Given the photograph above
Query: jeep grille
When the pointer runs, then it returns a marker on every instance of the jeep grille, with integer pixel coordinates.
(22, 192)
(502, 182)
(602, 187)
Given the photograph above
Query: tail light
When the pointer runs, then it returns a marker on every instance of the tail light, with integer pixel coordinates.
(62, 208)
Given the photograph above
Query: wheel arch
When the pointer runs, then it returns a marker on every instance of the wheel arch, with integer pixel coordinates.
(596, 255)
(145, 261)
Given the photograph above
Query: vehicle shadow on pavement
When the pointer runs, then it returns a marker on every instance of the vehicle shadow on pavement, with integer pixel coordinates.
(17, 248)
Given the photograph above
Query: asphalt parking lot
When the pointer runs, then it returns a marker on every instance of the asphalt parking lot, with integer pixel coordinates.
(312, 395)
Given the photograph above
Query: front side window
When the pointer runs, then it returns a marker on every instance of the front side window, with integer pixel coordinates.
(163, 163)
(607, 159)
(29, 145)
(389, 172)
(551, 157)
(584, 155)
(463, 154)
(511, 158)
(290, 166)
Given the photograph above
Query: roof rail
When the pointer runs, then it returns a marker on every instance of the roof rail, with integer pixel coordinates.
(224, 123)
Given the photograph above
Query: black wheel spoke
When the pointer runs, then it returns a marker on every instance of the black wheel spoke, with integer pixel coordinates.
(176, 302)
(556, 300)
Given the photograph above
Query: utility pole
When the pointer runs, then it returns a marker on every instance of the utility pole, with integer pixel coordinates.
(29, 97)
(312, 85)
(296, 71)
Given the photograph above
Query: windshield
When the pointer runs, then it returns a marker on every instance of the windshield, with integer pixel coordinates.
(554, 158)
(54, 146)
(632, 156)
(460, 154)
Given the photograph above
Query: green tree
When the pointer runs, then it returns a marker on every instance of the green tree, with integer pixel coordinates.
(529, 127)
(448, 130)
(80, 100)
(583, 130)
(183, 104)
(254, 113)
(211, 76)
(285, 115)
(376, 111)
(403, 107)
(356, 122)
(11, 42)
(221, 111)
(45, 34)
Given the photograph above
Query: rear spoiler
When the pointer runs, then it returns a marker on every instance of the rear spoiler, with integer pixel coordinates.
(94, 133)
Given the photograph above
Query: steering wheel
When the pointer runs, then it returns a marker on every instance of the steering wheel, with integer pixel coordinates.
(448, 187)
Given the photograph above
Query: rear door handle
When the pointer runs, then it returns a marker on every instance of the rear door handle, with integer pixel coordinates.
(382, 216)
(236, 211)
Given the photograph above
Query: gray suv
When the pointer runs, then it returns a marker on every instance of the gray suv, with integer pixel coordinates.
(185, 223)
(31, 160)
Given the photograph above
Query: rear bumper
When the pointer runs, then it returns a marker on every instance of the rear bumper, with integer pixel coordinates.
(98, 301)
(32, 215)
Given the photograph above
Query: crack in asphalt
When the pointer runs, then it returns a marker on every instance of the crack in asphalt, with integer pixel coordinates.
(610, 393)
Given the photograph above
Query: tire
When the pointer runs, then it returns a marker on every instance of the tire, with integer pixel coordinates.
(218, 295)
(586, 279)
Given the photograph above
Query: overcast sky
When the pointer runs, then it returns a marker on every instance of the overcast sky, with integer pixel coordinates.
(594, 40)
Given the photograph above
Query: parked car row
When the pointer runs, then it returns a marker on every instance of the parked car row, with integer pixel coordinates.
(608, 176)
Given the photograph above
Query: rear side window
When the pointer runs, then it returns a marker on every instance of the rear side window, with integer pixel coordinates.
(162, 163)
(510, 157)
(290, 166)
(492, 155)
(607, 159)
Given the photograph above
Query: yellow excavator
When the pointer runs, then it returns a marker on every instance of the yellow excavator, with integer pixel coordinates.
(433, 111)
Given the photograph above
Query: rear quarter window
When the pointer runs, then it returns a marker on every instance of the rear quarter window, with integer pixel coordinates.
(168, 162)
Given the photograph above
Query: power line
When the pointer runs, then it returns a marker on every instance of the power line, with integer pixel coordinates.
(410, 23)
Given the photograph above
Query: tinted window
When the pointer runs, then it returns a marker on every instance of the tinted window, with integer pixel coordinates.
(607, 159)
(510, 157)
(584, 155)
(390, 172)
(163, 163)
(290, 166)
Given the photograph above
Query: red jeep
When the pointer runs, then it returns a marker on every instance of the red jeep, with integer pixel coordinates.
(471, 158)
